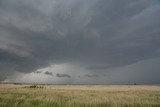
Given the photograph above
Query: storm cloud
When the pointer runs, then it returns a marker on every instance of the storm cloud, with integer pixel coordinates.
(48, 73)
(63, 75)
(98, 37)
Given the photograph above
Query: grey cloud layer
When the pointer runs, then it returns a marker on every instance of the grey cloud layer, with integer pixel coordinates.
(101, 34)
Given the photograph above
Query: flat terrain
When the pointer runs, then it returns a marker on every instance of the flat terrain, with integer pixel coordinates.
(17, 95)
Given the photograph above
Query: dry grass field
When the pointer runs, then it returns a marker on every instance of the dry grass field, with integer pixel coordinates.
(17, 95)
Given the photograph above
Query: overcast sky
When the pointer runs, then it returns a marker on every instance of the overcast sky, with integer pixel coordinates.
(80, 41)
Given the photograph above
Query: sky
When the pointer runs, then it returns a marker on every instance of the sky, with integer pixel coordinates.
(80, 41)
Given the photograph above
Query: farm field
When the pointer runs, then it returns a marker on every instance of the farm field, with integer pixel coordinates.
(22, 95)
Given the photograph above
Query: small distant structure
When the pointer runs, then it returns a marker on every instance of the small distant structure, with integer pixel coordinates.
(135, 83)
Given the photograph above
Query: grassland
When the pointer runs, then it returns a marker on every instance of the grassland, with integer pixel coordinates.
(12, 95)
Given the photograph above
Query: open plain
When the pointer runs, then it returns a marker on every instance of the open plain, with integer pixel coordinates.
(27, 95)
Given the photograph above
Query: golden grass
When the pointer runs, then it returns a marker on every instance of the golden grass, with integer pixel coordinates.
(80, 95)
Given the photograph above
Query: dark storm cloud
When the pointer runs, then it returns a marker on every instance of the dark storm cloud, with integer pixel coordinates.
(48, 73)
(102, 34)
(38, 72)
(60, 75)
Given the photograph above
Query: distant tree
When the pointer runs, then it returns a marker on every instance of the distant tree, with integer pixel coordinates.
(33, 86)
